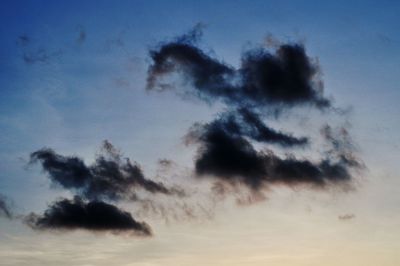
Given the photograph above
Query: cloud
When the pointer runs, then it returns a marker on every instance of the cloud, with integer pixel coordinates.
(228, 156)
(165, 162)
(23, 40)
(284, 77)
(287, 77)
(346, 217)
(342, 146)
(245, 122)
(253, 127)
(5, 209)
(40, 56)
(31, 55)
(209, 76)
(81, 38)
(93, 215)
(109, 177)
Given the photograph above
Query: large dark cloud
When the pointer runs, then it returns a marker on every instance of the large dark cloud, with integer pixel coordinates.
(286, 76)
(109, 177)
(228, 156)
(93, 215)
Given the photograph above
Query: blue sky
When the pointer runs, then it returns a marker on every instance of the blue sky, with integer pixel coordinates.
(80, 93)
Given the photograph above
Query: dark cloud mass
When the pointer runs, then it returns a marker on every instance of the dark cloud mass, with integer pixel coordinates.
(209, 76)
(93, 215)
(109, 177)
(230, 157)
(286, 77)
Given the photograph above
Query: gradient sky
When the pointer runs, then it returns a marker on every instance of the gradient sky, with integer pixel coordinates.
(91, 87)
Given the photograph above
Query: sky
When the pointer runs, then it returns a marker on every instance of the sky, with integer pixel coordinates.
(257, 132)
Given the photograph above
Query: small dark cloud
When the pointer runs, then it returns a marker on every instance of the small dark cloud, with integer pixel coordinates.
(281, 78)
(5, 209)
(40, 56)
(341, 146)
(246, 123)
(34, 54)
(121, 82)
(254, 127)
(165, 162)
(110, 177)
(23, 40)
(386, 39)
(117, 41)
(346, 217)
(81, 38)
(93, 215)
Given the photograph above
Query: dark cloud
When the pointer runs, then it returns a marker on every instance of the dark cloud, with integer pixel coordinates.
(341, 145)
(93, 215)
(346, 217)
(5, 209)
(81, 38)
(40, 56)
(23, 40)
(109, 177)
(245, 122)
(255, 128)
(232, 158)
(285, 77)
(209, 76)
(227, 156)
(34, 55)
(165, 162)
